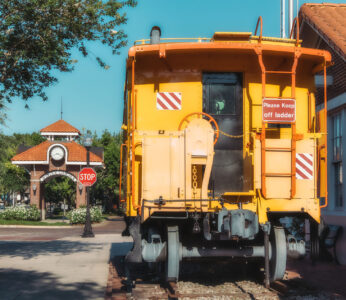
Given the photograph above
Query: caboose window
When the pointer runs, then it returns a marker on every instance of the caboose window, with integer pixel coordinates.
(222, 99)
(337, 158)
(337, 137)
(220, 93)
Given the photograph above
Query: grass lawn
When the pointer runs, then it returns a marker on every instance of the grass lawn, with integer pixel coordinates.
(37, 223)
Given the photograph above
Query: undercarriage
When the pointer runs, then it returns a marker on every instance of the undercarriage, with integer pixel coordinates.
(234, 234)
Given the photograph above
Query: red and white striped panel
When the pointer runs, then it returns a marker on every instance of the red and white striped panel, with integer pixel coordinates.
(168, 101)
(304, 166)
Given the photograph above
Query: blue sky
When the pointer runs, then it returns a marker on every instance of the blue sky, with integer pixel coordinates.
(92, 97)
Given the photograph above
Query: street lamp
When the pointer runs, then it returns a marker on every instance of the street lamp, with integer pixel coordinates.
(88, 231)
(34, 188)
(80, 187)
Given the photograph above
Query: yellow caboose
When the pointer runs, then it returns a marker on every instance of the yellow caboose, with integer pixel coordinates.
(221, 140)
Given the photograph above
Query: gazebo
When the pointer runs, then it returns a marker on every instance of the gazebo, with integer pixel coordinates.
(59, 155)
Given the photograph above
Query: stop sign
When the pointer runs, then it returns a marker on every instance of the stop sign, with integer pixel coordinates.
(87, 176)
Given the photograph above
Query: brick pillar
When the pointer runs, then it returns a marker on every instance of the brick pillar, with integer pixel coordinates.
(43, 203)
(80, 195)
(36, 194)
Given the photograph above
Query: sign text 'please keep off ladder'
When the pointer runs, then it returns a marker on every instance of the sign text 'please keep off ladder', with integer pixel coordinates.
(279, 110)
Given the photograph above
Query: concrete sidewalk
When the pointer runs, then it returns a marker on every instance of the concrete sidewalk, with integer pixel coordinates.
(67, 268)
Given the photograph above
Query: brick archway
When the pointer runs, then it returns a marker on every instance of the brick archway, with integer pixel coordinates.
(59, 155)
(38, 193)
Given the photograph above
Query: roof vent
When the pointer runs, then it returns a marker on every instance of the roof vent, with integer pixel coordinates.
(155, 35)
(231, 36)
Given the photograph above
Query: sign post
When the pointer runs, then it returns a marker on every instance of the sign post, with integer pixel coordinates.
(87, 177)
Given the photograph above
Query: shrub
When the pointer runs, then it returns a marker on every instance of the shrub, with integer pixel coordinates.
(21, 213)
(78, 215)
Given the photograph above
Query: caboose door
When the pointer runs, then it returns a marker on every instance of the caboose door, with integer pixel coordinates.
(223, 100)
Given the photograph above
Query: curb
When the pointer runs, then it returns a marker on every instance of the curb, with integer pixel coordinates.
(53, 227)
(39, 226)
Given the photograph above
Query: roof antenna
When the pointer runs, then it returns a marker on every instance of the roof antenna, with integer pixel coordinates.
(61, 108)
(283, 15)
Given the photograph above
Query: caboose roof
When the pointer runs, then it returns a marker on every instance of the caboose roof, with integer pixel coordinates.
(269, 46)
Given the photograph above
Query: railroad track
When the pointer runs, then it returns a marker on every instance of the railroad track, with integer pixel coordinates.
(198, 283)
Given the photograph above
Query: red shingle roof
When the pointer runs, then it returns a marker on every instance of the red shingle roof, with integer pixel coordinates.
(329, 20)
(60, 126)
(76, 153)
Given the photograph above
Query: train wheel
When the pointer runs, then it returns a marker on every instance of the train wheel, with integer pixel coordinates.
(173, 254)
(279, 254)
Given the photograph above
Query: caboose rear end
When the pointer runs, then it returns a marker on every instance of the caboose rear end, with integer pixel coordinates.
(221, 141)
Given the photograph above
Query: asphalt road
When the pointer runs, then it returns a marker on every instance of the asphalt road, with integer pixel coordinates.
(110, 226)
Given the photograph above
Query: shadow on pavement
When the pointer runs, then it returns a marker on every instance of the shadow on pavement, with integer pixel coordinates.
(19, 284)
(28, 250)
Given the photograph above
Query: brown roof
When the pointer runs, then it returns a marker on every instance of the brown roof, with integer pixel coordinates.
(60, 126)
(76, 153)
(329, 20)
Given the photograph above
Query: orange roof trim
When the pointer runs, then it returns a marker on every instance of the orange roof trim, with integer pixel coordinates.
(161, 49)
(38, 154)
(60, 126)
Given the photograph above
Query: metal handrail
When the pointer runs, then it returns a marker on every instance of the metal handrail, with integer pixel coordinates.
(199, 40)
(325, 136)
(261, 28)
(121, 171)
(133, 137)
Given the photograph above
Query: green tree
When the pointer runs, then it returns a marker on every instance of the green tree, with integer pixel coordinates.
(3, 114)
(37, 37)
(106, 188)
(14, 178)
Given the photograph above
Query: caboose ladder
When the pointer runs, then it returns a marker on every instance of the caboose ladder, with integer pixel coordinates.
(265, 149)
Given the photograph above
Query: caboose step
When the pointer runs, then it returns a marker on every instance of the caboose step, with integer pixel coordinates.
(277, 174)
(240, 194)
(278, 149)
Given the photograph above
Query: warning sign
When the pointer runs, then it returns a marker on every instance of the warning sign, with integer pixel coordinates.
(279, 110)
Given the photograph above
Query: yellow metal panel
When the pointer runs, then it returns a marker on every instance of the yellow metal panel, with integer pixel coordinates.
(163, 173)
(278, 159)
(278, 187)
(151, 118)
